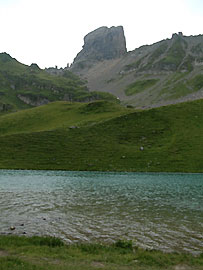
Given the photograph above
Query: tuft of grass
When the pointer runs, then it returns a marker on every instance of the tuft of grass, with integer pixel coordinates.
(46, 241)
(17, 241)
(125, 244)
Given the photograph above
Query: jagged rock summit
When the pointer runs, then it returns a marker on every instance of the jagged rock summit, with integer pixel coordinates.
(102, 44)
(166, 72)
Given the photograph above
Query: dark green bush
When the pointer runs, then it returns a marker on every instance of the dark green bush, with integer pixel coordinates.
(126, 244)
(46, 241)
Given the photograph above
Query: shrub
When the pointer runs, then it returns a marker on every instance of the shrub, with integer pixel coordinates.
(126, 244)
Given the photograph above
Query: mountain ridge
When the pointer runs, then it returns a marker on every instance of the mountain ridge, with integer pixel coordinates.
(23, 86)
(164, 61)
(166, 72)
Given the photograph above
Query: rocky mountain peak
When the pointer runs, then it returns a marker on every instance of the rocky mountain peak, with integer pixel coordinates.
(101, 44)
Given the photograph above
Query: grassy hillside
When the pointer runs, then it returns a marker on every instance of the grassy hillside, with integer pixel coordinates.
(104, 137)
(59, 115)
(24, 86)
(43, 253)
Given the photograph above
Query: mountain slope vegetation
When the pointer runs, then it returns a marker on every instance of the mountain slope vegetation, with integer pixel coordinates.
(24, 86)
(107, 138)
(175, 66)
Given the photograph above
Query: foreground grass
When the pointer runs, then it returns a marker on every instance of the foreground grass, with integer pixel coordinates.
(22, 253)
(101, 136)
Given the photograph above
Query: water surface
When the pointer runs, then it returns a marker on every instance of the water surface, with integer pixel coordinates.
(163, 211)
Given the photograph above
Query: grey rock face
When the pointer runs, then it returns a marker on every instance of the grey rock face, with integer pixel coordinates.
(37, 101)
(103, 43)
(5, 107)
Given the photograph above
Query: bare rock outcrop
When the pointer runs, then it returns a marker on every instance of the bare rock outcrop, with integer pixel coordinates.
(33, 100)
(101, 44)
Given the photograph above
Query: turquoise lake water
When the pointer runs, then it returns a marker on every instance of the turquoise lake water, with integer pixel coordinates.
(162, 211)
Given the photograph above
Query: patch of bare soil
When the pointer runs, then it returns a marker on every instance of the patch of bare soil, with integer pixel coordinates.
(182, 267)
(3, 253)
(98, 264)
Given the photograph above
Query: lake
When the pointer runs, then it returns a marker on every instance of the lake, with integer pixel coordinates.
(161, 211)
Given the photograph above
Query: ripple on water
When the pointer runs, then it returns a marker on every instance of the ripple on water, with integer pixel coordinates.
(163, 211)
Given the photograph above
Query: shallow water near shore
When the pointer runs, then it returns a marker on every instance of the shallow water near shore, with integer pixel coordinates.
(161, 211)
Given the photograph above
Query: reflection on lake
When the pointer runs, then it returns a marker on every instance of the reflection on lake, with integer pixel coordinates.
(163, 211)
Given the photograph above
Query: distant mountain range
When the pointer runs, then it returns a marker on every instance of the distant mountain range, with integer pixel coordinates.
(167, 72)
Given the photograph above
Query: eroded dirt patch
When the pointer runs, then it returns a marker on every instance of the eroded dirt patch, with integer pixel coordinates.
(97, 264)
(182, 267)
(3, 253)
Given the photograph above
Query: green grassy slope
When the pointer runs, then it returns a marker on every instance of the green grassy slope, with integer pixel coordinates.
(58, 115)
(139, 86)
(108, 138)
(175, 63)
(43, 253)
(24, 86)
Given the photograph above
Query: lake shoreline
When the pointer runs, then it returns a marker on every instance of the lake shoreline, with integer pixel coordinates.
(102, 243)
(102, 171)
(50, 253)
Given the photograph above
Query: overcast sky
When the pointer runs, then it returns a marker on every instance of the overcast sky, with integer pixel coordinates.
(50, 32)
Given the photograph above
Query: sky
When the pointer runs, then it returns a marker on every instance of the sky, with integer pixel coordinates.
(51, 32)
